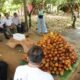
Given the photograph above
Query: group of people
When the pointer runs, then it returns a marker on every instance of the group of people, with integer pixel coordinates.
(9, 25)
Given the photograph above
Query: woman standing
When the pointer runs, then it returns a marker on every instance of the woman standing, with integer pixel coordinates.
(41, 21)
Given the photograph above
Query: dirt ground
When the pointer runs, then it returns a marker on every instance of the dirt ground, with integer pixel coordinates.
(12, 56)
(54, 23)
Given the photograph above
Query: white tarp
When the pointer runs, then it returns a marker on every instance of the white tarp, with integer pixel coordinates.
(19, 36)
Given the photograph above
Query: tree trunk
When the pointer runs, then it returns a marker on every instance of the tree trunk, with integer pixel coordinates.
(73, 15)
(74, 20)
(30, 23)
(25, 13)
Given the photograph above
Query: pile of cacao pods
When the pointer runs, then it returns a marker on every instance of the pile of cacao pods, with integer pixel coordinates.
(59, 55)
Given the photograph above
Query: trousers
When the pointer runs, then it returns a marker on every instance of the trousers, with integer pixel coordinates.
(41, 25)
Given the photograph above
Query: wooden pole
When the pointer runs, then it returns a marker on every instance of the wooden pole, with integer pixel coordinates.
(25, 13)
(73, 14)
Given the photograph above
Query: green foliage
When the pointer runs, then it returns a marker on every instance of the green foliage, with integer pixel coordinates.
(6, 5)
(1, 4)
(9, 5)
(58, 2)
(17, 2)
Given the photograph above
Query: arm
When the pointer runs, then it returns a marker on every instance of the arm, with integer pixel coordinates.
(16, 75)
(52, 78)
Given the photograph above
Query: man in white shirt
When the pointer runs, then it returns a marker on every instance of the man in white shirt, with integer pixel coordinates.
(7, 20)
(9, 28)
(16, 22)
(32, 71)
(16, 19)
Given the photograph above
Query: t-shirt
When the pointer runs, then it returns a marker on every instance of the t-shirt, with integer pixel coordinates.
(8, 21)
(41, 12)
(26, 72)
(16, 20)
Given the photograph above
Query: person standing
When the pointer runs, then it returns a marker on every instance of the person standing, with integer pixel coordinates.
(31, 71)
(41, 21)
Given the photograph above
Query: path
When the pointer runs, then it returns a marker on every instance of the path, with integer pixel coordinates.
(73, 36)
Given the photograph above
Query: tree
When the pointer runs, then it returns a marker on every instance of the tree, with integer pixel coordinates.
(25, 12)
(71, 5)
(1, 5)
(73, 14)
(17, 2)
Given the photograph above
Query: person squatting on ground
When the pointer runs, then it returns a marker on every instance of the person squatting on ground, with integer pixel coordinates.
(41, 21)
(31, 71)
(16, 21)
(9, 28)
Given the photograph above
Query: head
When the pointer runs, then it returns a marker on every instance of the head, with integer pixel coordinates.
(6, 15)
(15, 15)
(35, 55)
(41, 6)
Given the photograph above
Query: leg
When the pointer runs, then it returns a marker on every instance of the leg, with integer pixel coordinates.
(44, 28)
(39, 25)
(23, 27)
(1, 30)
(7, 32)
(4, 31)
(13, 29)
